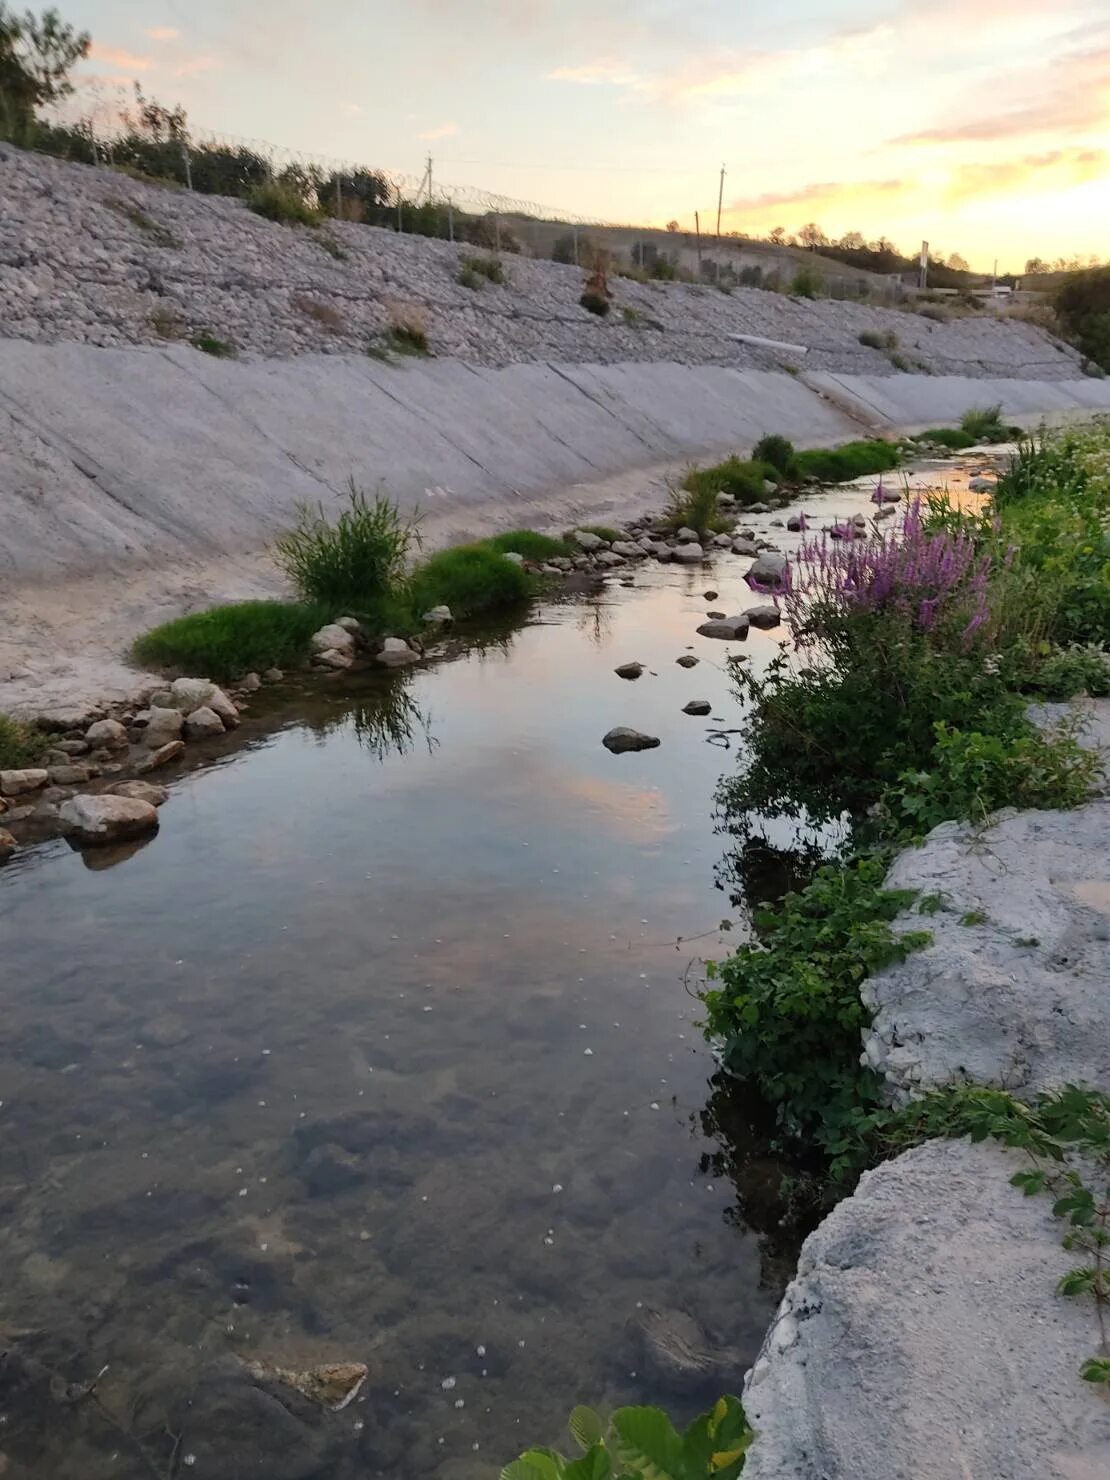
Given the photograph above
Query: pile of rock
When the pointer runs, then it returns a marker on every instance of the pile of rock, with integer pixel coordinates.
(337, 645)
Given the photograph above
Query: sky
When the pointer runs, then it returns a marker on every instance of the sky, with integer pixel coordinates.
(982, 126)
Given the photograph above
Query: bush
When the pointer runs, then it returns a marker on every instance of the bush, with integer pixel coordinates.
(228, 641)
(489, 268)
(1083, 306)
(532, 544)
(777, 453)
(845, 464)
(602, 531)
(1058, 673)
(21, 745)
(947, 437)
(468, 278)
(358, 562)
(281, 203)
(787, 1013)
(471, 580)
(984, 424)
(740, 477)
(874, 340)
(595, 302)
(805, 284)
(971, 775)
(937, 315)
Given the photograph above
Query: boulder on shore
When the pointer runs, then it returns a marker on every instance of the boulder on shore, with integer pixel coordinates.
(332, 638)
(105, 818)
(106, 734)
(15, 783)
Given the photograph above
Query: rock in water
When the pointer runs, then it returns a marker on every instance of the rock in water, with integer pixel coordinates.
(334, 1384)
(687, 661)
(202, 723)
(726, 628)
(106, 734)
(7, 845)
(679, 1351)
(763, 616)
(140, 791)
(106, 819)
(395, 653)
(332, 638)
(688, 554)
(745, 547)
(697, 706)
(768, 569)
(622, 739)
(687, 536)
(15, 783)
(629, 670)
(163, 726)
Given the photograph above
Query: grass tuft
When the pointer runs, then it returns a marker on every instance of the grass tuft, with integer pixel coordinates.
(471, 580)
(489, 268)
(357, 562)
(20, 745)
(211, 344)
(845, 464)
(531, 544)
(225, 642)
(743, 478)
(952, 437)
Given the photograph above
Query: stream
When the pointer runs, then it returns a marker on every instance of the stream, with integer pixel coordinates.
(383, 1051)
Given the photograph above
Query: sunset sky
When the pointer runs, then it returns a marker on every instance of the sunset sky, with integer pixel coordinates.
(982, 125)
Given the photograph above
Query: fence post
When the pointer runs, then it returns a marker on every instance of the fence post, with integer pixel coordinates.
(400, 215)
(497, 231)
(338, 198)
(575, 229)
(451, 220)
(188, 163)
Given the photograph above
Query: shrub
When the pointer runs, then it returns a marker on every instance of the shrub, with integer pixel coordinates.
(787, 1012)
(489, 268)
(228, 641)
(951, 437)
(1083, 305)
(281, 203)
(937, 315)
(778, 453)
(21, 745)
(900, 363)
(333, 248)
(1057, 673)
(357, 562)
(844, 464)
(805, 284)
(468, 278)
(471, 580)
(875, 340)
(971, 775)
(211, 344)
(695, 508)
(594, 302)
(740, 477)
(643, 1444)
(532, 544)
(602, 531)
(166, 323)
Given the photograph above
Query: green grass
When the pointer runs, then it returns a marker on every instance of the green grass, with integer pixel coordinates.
(408, 339)
(602, 531)
(357, 561)
(874, 340)
(531, 544)
(210, 344)
(844, 464)
(20, 745)
(278, 203)
(225, 642)
(469, 279)
(740, 477)
(953, 437)
(471, 580)
(985, 424)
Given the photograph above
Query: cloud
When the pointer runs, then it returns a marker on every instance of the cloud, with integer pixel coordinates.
(829, 192)
(350, 110)
(1060, 169)
(1068, 95)
(118, 58)
(193, 66)
(162, 33)
(598, 74)
(441, 131)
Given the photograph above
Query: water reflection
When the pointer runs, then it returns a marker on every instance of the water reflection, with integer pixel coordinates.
(385, 718)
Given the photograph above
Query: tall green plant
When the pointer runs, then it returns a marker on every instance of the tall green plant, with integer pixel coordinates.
(358, 561)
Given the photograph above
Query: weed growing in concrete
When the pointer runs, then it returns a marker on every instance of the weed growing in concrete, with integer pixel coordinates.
(845, 464)
(806, 284)
(468, 278)
(778, 453)
(21, 745)
(984, 424)
(225, 642)
(489, 268)
(333, 248)
(211, 344)
(874, 340)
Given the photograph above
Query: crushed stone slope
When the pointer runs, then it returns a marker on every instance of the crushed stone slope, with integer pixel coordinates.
(96, 256)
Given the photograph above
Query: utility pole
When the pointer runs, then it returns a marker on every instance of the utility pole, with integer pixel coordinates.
(697, 229)
(429, 179)
(720, 203)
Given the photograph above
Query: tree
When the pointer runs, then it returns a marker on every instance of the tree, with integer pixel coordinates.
(958, 263)
(37, 54)
(1083, 306)
(672, 225)
(811, 236)
(852, 241)
(778, 235)
(1036, 264)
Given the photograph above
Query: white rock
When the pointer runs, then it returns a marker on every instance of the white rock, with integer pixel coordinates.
(350, 624)
(768, 569)
(107, 734)
(140, 791)
(252, 683)
(628, 549)
(202, 723)
(332, 638)
(688, 554)
(589, 542)
(106, 818)
(334, 659)
(395, 653)
(15, 783)
(513, 557)
(225, 708)
(163, 726)
(437, 616)
(186, 694)
(687, 536)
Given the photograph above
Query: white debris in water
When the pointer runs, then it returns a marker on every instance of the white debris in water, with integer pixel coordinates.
(460, 1402)
(588, 1052)
(242, 1192)
(655, 1104)
(190, 1460)
(557, 1187)
(549, 1241)
(447, 1384)
(427, 1009)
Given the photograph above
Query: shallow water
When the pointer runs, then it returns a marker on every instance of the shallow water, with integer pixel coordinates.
(383, 1050)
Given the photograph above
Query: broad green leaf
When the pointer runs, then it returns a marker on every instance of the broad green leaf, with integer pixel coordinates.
(535, 1464)
(586, 1426)
(595, 1464)
(648, 1444)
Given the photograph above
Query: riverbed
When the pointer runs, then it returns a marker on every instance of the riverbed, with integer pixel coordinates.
(386, 1050)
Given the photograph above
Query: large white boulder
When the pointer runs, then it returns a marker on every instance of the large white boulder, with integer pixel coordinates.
(332, 639)
(106, 819)
(15, 783)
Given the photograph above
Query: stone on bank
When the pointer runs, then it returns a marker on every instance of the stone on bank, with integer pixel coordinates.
(92, 820)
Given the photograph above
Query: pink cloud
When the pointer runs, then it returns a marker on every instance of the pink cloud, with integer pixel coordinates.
(162, 33)
(116, 57)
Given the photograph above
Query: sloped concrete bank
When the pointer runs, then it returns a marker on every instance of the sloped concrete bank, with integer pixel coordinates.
(922, 1335)
(139, 483)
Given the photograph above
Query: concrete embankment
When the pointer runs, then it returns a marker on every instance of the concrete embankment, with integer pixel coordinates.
(923, 1335)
